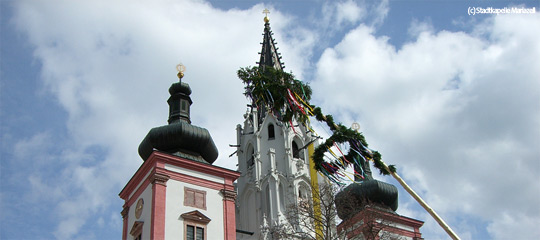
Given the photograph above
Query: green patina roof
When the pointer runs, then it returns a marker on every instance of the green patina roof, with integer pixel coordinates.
(179, 137)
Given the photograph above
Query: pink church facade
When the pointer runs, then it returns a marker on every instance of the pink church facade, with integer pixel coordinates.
(170, 197)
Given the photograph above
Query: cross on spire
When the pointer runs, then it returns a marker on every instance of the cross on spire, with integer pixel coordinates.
(266, 12)
(269, 55)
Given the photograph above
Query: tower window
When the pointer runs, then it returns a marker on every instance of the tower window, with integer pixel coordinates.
(184, 106)
(250, 156)
(195, 225)
(267, 202)
(194, 233)
(271, 133)
(295, 151)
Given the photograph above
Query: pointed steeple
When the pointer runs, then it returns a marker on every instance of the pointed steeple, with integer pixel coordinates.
(269, 54)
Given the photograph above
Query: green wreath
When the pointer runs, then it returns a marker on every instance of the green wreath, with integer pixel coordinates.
(288, 97)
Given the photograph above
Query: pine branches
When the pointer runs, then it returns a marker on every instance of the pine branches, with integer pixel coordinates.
(288, 97)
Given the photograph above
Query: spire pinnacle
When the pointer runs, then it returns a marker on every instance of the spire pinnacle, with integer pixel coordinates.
(269, 54)
(266, 12)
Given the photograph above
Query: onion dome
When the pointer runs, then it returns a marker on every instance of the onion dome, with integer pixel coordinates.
(180, 137)
(366, 191)
(357, 195)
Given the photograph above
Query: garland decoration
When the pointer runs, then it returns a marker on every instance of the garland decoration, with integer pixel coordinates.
(288, 98)
(274, 89)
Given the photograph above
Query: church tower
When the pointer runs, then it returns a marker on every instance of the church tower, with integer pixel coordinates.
(273, 159)
(177, 193)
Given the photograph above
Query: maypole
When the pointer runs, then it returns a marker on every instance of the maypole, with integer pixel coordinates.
(422, 203)
(290, 98)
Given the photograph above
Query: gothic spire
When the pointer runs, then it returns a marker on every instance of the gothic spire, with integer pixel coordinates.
(269, 54)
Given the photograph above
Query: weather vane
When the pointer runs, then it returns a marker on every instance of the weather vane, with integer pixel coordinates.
(266, 12)
(181, 69)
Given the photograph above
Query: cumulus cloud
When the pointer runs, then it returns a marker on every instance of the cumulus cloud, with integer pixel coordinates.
(417, 27)
(457, 112)
(110, 64)
(337, 15)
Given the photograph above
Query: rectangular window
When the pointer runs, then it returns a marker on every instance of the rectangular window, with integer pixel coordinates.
(194, 198)
(200, 233)
(194, 233)
(190, 233)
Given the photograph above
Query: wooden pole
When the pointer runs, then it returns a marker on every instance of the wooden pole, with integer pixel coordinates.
(431, 212)
(315, 193)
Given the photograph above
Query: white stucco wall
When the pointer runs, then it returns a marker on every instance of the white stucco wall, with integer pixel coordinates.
(194, 173)
(140, 183)
(146, 215)
(174, 223)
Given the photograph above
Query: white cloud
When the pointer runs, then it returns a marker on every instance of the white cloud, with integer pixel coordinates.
(458, 113)
(499, 229)
(338, 15)
(380, 12)
(348, 11)
(417, 27)
(38, 143)
(110, 65)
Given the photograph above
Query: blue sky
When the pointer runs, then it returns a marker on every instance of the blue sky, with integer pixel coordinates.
(452, 99)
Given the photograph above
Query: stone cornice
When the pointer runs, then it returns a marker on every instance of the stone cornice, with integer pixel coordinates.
(125, 212)
(159, 178)
(228, 195)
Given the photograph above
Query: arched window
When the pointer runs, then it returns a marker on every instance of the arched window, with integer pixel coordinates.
(295, 151)
(250, 156)
(302, 192)
(267, 198)
(271, 133)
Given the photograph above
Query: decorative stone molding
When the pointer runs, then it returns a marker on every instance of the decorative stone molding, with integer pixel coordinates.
(288, 152)
(249, 173)
(136, 229)
(125, 212)
(300, 165)
(159, 178)
(194, 198)
(196, 216)
(229, 195)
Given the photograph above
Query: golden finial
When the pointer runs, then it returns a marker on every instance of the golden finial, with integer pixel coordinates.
(181, 69)
(355, 126)
(266, 12)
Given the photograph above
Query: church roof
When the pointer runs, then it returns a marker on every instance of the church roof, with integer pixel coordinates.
(269, 54)
(180, 137)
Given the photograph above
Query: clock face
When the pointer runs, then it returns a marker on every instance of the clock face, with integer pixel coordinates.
(139, 208)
